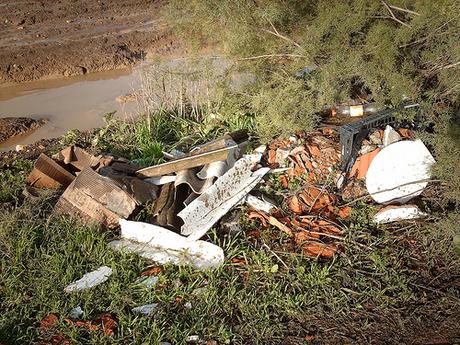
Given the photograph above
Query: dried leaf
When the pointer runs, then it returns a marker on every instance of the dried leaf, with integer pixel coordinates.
(344, 212)
(304, 236)
(314, 150)
(259, 216)
(405, 133)
(294, 205)
(151, 271)
(284, 181)
(105, 322)
(239, 261)
(271, 157)
(273, 221)
(317, 249)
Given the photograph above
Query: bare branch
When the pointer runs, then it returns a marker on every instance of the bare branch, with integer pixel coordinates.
(451, 65)
(404, 10)
(266, 56)
(392, 15)
(277, 34)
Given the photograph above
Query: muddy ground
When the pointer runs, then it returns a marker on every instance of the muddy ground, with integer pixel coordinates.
(46, 39)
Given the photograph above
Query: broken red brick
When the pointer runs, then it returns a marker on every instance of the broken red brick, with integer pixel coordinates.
(359, 169)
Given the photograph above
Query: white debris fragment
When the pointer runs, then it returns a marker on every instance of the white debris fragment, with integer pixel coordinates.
(90, 279)
(390, 136)
(397, 213)
(259, 205)
(147, 309)
(260, 149)
(164, 246)
(161, 180)
(203, 212)
(148, 282)
(281, 156)
(76, 313)
(399, 172)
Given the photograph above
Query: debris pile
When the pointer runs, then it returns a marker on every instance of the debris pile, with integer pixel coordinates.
(190, 193)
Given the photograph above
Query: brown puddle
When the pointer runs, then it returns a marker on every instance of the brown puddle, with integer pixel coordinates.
(69, 103)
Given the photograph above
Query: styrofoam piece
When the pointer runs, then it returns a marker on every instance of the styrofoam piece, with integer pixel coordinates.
(202, 213)
(90, 279)
(399, 172)
(146, 309)
(161, 180)
(164, 246)
(259, 205)
(390, 136)
(397, 213)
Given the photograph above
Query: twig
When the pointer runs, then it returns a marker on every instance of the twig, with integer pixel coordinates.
(392, 15)
(277, 34)
(276, 256)
(403, 10)
(265, 56)
(451, 65)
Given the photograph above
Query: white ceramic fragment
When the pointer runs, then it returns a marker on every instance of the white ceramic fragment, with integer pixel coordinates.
(390, 136)
(164, 246)
(399, 172)
(146, 309)
(398, 213)
(259, 205)
(203, 212)
(90, 279)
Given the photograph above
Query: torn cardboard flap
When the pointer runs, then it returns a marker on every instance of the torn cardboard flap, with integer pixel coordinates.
(97, 198)
(48, 174)
(79, 159)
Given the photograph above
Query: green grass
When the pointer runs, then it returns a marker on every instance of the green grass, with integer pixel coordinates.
(387, 283)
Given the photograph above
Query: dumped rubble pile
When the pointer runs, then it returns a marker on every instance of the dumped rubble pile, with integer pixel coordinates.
(190, 193)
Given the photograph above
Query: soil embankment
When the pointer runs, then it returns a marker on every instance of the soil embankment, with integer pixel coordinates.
(14, 126)
(49, 39)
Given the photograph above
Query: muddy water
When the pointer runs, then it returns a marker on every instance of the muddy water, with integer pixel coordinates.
(70, 103)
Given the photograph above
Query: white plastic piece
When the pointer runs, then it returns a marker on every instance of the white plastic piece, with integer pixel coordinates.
(259, 205)
(203, 212)
(390, 136)
(399, 172)
(76, 313)
(90, 279)
(161, 180)
(397, 213)
(147, 309)
(164, 246)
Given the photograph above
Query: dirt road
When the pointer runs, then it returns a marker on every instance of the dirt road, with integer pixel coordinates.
(55, 38)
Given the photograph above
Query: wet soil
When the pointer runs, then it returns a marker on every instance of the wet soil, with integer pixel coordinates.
(49, 39)
(13, 126)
